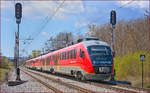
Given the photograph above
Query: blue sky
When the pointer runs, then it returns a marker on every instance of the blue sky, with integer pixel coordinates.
(72, 16)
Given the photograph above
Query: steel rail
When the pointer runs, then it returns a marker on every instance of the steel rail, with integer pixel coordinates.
(135, 88)
(81, 89)
(45, 84)
(119, 89)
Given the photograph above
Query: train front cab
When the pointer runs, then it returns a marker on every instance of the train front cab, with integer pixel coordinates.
(101, 58)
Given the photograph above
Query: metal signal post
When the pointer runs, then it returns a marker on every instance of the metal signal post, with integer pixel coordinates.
(18, 14)
(113, 22)
(142, 58)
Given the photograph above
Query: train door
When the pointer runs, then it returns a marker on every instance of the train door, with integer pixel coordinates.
(57, 60)
(45, 65)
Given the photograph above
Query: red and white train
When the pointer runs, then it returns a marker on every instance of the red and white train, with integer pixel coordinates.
(89, 59)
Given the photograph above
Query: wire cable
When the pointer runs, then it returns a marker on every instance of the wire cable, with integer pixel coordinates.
(47, 21)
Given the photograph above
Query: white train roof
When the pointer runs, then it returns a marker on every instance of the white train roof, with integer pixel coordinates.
(94, 42)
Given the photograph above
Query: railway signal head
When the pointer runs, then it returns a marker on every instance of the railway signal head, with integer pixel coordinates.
(113, 17)
(18, 10)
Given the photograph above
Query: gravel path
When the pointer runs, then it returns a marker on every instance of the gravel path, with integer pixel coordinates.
(28, 85)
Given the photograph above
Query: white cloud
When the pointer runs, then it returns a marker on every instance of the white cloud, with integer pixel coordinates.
(44, 33)
(135, 4)
(81, 24)
(41, 9)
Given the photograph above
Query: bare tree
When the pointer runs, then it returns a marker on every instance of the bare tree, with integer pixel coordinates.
(60, 41)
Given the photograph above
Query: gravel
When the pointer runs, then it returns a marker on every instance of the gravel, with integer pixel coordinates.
(84, 85)
(29, 85)
(57, 85)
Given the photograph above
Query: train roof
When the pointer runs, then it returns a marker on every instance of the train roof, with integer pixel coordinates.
(94, 42)
(86, 43)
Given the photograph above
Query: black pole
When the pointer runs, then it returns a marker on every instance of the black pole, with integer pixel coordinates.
(17, 69)
(142, 74)
(18, 47)
(113, 52)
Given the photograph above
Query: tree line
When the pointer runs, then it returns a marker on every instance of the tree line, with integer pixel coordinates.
(129, 36)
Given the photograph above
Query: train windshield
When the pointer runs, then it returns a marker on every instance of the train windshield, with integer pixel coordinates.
(100, 54)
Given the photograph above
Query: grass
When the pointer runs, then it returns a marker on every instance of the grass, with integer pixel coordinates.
(128, 68)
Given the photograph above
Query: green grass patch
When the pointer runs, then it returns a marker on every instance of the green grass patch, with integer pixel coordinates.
(2, 74)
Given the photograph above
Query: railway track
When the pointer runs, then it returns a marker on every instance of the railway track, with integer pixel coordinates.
(80, 89)
(117, 88)
(45, 84)
(134, 88)
(121, 88)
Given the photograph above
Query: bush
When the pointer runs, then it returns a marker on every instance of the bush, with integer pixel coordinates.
(5, 63)
(129, 66)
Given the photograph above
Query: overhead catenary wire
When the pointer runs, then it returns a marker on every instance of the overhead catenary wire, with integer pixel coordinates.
(118, 8)
(104, 15)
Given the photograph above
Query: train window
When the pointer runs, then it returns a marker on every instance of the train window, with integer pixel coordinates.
(71, 54)
(40, 61)
(75, 53)
(61, 56)
(68, 55)
(48, 60)
(54, 59)
(43, 61)
(65, 55)
(80, 53)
